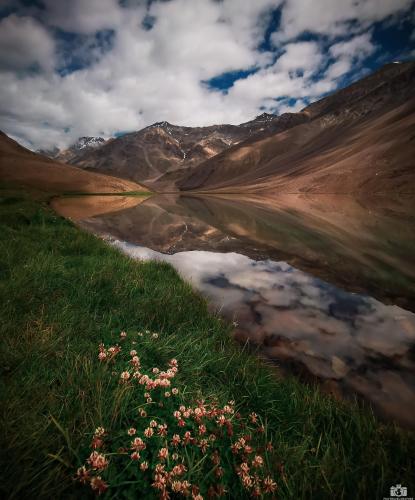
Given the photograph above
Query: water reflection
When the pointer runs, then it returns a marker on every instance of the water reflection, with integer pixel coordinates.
(355, 341)
(360, 245)
(295, 306)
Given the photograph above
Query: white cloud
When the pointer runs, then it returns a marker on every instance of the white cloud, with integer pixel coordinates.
(155, 74)
(358, 47)
(300, 56)
(349, 53)
(334, 17)
(82, 16)
(24, 43)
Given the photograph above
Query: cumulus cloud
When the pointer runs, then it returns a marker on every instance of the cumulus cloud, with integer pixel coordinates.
(349, 52)
(82, 16)
(156, 62)
(335, 18)
(24, 43)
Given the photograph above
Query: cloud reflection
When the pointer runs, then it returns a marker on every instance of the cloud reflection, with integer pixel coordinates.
(355, 341)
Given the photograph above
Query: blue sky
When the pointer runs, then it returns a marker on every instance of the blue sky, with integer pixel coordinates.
(102, 67)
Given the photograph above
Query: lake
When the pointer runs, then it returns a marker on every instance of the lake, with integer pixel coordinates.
(321, 285)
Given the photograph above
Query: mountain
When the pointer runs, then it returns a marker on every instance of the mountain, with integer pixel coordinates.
(77, 149)
(147, 155)
(21, 167)
(359, 139)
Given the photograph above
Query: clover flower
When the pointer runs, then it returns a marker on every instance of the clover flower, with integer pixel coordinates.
(258, 461)
(98, 485)
(138, 444)
(148, 432)
(99, 431)
(97, 461)
(83, 474)
(269, 485)
(163, 453)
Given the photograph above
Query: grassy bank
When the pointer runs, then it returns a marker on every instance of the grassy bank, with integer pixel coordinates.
(63, 292)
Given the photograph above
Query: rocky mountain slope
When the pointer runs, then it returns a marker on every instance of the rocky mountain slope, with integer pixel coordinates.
(147, 155)
(21, 167)
(359, 139)
(75, 151)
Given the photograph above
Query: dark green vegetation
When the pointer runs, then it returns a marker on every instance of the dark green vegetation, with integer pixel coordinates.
(63, 291)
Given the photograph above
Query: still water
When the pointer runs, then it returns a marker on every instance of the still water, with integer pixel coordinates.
(322, 285)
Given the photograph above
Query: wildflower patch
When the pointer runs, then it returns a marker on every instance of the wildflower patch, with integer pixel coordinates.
(164, 445)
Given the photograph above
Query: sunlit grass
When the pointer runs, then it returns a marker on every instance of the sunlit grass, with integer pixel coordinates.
(63, 292)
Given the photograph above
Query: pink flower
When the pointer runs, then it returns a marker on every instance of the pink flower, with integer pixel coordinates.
(253, 417)
(135, 455)
(175, 391)
(175, 440)
(258, 461)
(163, 453)
(102, 356)
(131, 431)
(97, 442)
(123, 335)
(178, 470)
(162, 430)
(167, 394)
(153, 423)
(97, 461)
(138, 444)
(135, 360)
(144, 466)
(83, 474)
(148, 432)
(247, 481)
(98, 485)
(142, 413)
(125, 376)
(269, 485)
(187, 437)
(202, 429)
(133, 353)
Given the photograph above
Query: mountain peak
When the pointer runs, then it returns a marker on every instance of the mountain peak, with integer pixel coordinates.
(88, 142)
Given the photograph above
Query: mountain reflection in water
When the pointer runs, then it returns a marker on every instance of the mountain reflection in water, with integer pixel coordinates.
(353, 342)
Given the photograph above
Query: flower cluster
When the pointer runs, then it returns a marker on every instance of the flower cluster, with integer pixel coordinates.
(199, 450)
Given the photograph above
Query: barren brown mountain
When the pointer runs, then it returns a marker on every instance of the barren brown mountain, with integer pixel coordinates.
(147, 155)
(21, 167)
(360, 139)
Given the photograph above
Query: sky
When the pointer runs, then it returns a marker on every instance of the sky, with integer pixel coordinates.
(71, 68)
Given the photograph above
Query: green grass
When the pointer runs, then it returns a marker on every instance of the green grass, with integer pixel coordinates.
(63, 291)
